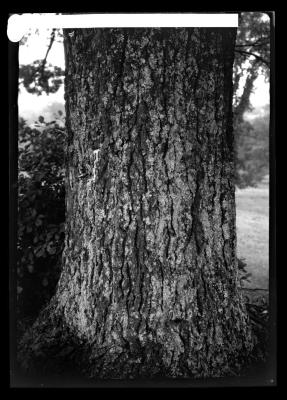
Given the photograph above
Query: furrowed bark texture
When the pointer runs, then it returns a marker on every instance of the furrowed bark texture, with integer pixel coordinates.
(149, 279)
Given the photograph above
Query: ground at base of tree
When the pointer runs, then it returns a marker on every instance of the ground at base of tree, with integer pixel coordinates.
(61, 365)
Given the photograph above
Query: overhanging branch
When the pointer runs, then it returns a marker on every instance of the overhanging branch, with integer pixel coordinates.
(248, 53)
(48, 49)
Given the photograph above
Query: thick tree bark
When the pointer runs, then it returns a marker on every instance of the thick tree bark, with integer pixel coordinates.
(149, 280)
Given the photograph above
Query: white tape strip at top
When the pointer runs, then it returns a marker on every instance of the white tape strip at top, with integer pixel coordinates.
(18, 25)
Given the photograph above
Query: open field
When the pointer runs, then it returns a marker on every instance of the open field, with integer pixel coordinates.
(252, 220)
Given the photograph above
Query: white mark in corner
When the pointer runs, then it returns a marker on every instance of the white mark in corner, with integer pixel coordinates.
(18, 25)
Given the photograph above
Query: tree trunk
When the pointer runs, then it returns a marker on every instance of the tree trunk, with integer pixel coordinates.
(149, 279)
(242, 104)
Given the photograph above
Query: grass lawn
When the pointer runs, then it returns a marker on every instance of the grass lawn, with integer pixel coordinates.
(252, 220)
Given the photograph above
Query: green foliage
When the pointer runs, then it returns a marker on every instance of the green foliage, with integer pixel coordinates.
(39, 77)
(41, 213)
(244, 275)
(252, 151)
(252, 58)
(253, 39)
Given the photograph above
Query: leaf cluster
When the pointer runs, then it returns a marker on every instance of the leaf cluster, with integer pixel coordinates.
(41, 213)
(252, 58)
(253, 39)
(40, 77)
(252, 151)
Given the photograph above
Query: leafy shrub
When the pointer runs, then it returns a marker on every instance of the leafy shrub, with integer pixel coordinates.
(252, 151)
(38, 77)
(244, 275)
(41, 214)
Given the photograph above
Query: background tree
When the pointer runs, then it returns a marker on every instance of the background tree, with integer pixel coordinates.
(40, 76)
(252, 150)
(252, 58)
(149, 279)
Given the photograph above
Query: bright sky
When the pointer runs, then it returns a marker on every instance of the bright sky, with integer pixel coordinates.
(260, 96)
(31, 106)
